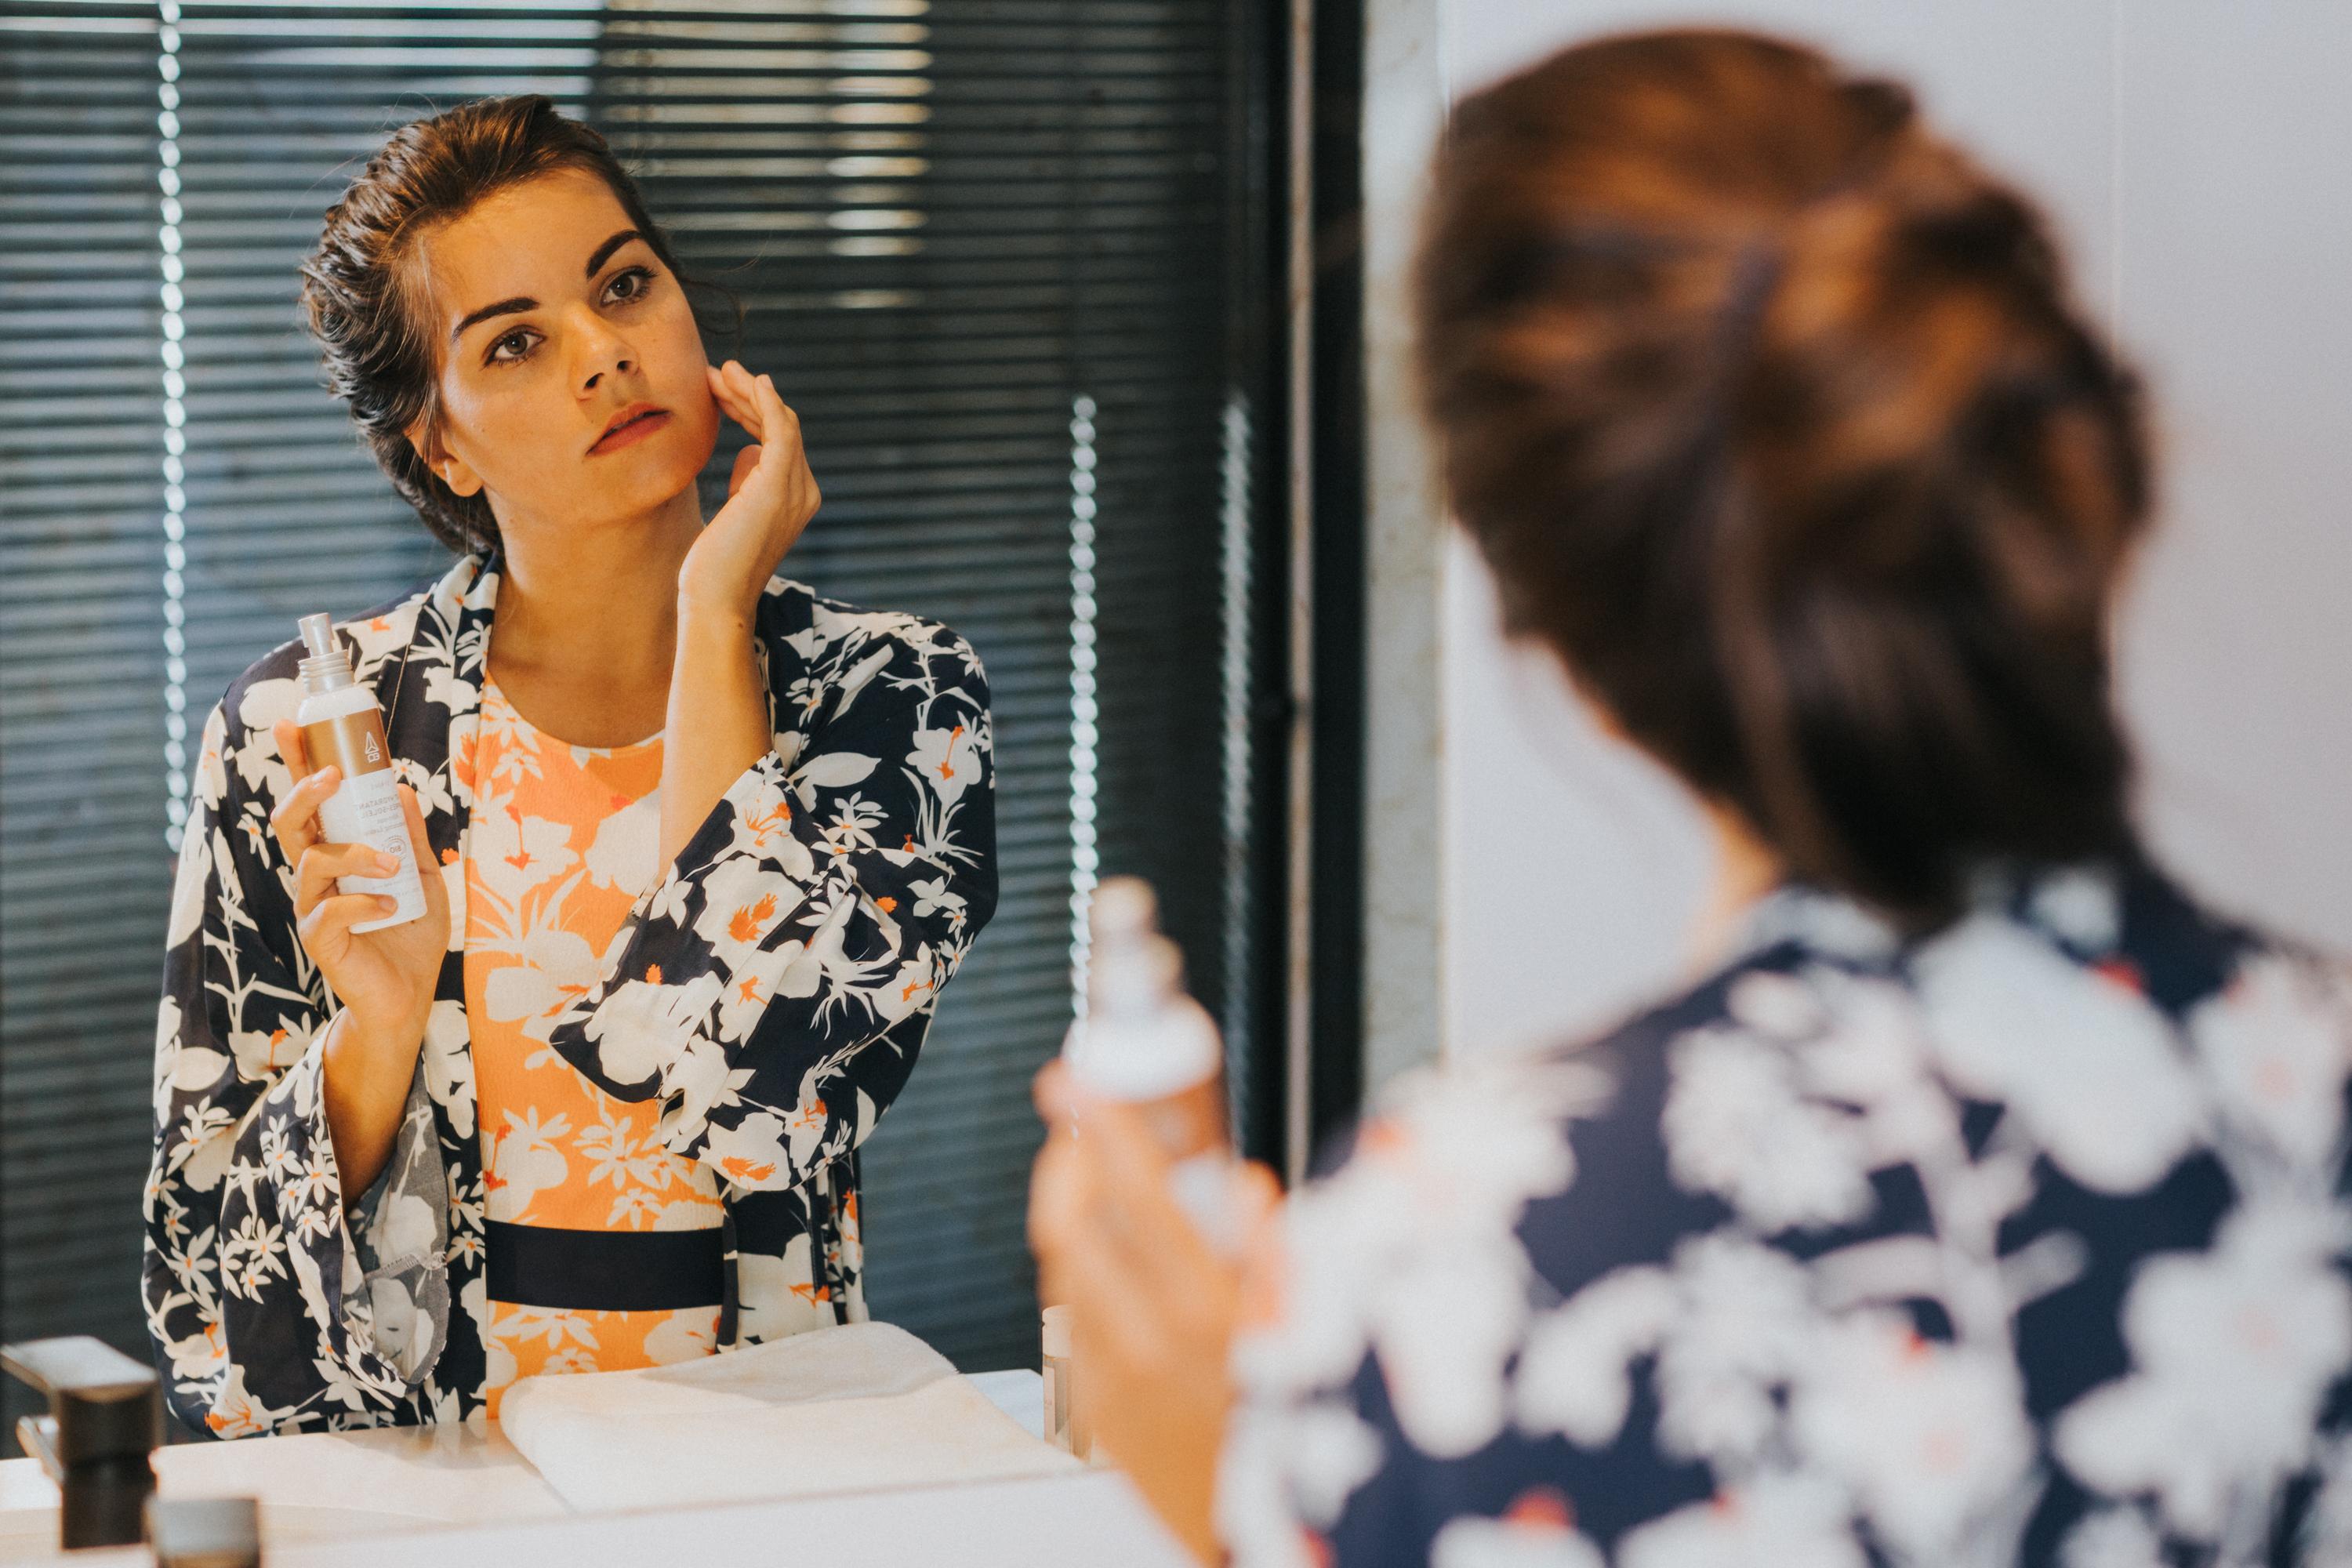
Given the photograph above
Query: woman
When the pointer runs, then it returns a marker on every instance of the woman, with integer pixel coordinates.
(709, 845)
(1979, 1201)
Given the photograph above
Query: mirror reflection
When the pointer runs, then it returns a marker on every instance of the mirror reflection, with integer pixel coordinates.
(1170, 783)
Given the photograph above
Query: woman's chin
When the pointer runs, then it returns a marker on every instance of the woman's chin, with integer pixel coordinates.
(633, 486)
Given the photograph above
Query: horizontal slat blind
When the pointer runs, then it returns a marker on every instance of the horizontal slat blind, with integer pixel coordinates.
(949, 227)
(84, 873)
(1005, 208)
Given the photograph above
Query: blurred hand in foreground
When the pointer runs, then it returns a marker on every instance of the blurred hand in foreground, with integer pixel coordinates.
(1153, 1306)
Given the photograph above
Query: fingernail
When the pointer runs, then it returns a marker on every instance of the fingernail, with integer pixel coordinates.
(385, 903)
(386, 864)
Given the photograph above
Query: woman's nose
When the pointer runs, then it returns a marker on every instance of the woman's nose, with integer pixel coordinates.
(601, 350)
(621, 362)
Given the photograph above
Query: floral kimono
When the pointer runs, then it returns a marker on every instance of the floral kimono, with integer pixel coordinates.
(2026, 1244)
(770, 992)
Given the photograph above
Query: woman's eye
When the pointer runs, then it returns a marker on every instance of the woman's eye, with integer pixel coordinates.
(644, 280)
(496, 358)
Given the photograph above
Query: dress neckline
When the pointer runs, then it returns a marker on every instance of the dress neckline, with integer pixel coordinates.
(632, 748)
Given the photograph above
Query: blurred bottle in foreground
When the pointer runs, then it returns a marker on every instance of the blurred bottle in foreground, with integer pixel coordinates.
(1145, 1041)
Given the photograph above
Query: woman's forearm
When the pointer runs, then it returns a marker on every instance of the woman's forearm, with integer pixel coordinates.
(716, 723)
(365, 1089)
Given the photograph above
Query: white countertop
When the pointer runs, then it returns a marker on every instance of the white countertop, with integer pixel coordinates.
(353, 1500)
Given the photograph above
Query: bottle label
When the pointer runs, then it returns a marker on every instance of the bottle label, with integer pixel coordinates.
(366, 809)
(352, 742)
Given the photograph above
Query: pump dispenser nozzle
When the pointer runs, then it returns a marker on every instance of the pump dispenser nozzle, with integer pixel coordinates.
(1132, 967)
(318, 634)
(327, 669)
(1122, 906)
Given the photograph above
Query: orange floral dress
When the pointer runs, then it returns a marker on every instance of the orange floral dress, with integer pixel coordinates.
(563, 839)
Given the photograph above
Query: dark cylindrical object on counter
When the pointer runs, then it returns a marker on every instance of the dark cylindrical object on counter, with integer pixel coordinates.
(105, 1417)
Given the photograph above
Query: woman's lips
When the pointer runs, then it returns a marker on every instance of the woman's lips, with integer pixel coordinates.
(636, 431)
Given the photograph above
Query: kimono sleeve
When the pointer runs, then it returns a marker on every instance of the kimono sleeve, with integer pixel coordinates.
(266, 1312)
(830, 894)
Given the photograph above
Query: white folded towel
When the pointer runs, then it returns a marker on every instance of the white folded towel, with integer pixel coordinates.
(852, 1409)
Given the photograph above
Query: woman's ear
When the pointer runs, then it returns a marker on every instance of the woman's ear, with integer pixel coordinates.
(454, 471)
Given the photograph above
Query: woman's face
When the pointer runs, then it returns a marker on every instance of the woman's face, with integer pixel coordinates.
(549, 318)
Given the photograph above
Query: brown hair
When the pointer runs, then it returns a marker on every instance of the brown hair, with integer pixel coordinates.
(364, 293)
(1771, 415)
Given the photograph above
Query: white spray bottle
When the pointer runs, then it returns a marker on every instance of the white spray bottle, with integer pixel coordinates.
(1145, 1041)
(342, 723)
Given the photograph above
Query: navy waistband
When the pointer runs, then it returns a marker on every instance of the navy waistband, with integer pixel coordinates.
(604, 1270)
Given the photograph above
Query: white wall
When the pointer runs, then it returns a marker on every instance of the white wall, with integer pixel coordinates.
(2192, 156)
(1403, 948)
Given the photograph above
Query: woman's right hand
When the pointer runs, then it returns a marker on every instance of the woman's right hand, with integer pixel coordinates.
(385, 978)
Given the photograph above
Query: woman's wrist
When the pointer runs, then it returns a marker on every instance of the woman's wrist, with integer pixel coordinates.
(718, 717)
(714, 671)
(703, 616)
(376, 1046)
(363, 1086)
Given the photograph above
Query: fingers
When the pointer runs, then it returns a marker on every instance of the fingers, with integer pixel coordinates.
(1259, 1298)
(777, 457)
(291, 746)
(327, 928)
(1120, 1156)
(1066, 1233)
(1257, 1193)
(436, 893)
(1050, 1092)
(1118, 1210)
(321, 863)
(746, 461)
(745, 397)
(1126, 1156)
(778, 422)
(753, 402)
(295, 822)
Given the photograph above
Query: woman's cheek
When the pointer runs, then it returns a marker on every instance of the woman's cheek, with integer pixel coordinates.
(704, 411)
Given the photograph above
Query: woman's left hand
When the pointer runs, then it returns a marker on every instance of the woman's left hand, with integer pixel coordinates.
(770, 496)
(1153, 1306)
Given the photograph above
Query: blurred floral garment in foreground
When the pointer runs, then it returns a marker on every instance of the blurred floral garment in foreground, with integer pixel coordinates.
(2025, 1244)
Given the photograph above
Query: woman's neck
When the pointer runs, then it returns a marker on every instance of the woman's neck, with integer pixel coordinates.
(1745, 871)
(602, 599)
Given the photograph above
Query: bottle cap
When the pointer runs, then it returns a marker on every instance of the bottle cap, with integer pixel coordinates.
(327, 669)
(1134, 976)
(1122, 906)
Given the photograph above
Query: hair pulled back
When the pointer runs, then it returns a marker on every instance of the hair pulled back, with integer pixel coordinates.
(365, 289)
(1770, 413)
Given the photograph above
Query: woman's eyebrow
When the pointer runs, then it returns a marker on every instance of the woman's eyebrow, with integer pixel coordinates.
(525, 302)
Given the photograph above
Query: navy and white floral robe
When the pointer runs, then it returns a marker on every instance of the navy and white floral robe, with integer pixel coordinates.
(771, 990)
(2026, 1244)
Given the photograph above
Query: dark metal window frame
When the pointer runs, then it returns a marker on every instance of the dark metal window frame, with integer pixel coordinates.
(1324, 1066)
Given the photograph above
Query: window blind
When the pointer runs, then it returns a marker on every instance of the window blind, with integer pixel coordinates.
(1000, 306)
(996, 254)
(84, 876)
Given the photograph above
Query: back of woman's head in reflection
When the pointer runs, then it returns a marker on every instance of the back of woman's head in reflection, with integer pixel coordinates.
(1772, 413)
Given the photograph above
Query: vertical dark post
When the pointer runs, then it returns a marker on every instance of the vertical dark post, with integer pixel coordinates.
(1325, 1035)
